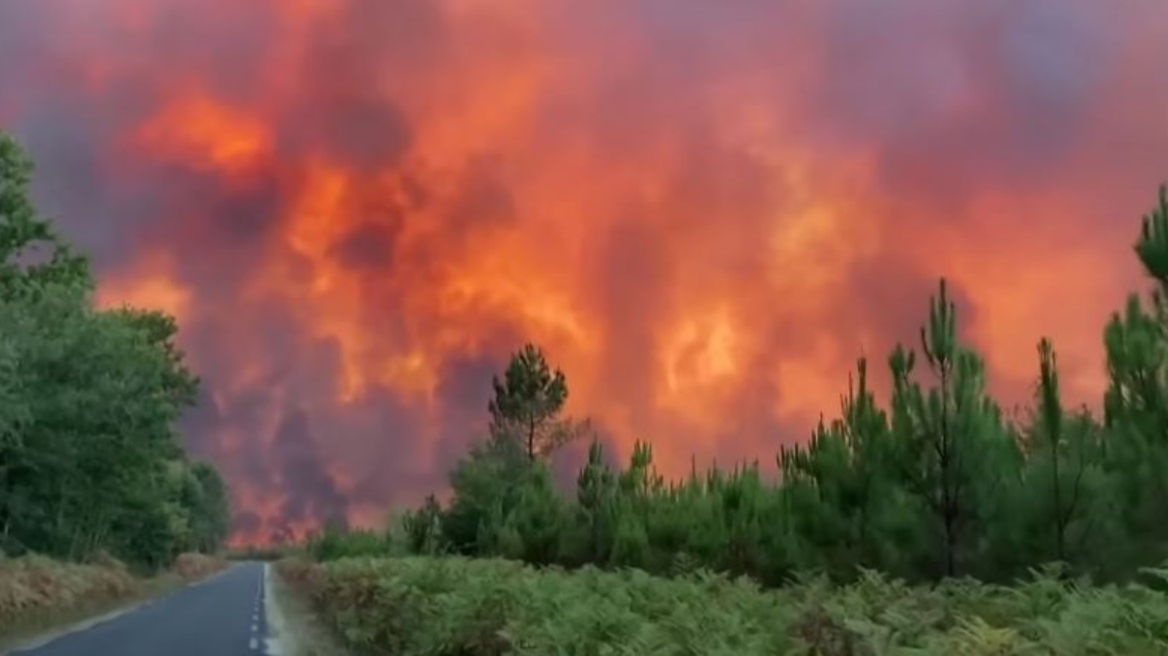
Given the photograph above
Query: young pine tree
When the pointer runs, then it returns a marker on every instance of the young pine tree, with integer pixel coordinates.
(1136, 401)
(1063, 448)
(538, 520)
(953, 445)
(596, 505)
(840, 479)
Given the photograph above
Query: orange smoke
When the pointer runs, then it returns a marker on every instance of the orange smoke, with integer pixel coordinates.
(704, 212)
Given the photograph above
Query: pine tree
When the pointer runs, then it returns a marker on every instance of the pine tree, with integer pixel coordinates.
(950, 436)
(1136, 401)
(538, 518)
(1060, 453)
(596, 499)
(527, 404)
(1152, 246)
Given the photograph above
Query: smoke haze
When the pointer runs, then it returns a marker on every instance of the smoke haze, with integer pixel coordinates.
(703, 211)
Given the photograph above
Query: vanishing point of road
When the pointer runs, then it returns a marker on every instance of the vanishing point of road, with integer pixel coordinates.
(221, 616)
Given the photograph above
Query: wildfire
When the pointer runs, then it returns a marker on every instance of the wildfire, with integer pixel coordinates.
(703, 212)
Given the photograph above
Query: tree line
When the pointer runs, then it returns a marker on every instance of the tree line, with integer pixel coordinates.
(936, 481)
(90, 460)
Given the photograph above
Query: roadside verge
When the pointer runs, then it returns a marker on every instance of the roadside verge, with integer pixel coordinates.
(295, 628)
(42, 598)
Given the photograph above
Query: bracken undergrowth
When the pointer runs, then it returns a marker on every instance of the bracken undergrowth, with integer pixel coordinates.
(451, 606)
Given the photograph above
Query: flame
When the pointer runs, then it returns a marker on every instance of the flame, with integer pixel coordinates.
(151, 284)
(704, 214)
(204, 130)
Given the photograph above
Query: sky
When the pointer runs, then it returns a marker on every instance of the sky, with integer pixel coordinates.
(703, 211)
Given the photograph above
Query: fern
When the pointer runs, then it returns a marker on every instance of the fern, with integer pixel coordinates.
(454, 606)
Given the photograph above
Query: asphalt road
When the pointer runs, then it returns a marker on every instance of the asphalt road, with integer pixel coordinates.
(222, 616)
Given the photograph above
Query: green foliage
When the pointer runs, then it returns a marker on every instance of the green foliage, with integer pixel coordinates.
(89, 458)
(537, 521)
(933, 484)
(527, 404)
(485, 483)
(209, 508)
(455, 606)
(1152, 246)
(938, 485)
(596, 495)
(423, 528)
(951, 444)
(835, 487)
(25, 266)
(333, 543)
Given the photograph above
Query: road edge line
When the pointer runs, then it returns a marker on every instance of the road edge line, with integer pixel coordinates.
(274, 621)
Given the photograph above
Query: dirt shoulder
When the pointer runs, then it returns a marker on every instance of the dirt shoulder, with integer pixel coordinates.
(296, 628)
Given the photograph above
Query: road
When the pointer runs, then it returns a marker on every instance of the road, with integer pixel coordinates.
(222, 616)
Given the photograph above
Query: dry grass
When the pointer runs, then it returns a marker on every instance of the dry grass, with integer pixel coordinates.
(195, 566)
(39, 594)
(35, 583)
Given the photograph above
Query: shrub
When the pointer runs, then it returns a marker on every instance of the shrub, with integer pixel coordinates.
(334, 543)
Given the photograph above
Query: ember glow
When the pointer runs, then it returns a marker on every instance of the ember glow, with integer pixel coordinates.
(704, 211)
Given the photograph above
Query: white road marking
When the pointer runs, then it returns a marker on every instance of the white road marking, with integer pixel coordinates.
(254, 641)
(272, 646)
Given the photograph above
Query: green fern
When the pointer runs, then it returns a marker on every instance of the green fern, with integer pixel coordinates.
(457, 607)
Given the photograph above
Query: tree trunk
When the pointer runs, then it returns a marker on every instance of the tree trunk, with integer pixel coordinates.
(1060, 527)
(950, 542)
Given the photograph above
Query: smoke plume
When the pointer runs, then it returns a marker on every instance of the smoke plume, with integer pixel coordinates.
(703, 211)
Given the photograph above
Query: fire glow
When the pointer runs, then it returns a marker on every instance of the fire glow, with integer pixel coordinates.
(704, 212)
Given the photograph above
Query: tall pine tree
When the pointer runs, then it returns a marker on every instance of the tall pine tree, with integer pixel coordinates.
(527, 404)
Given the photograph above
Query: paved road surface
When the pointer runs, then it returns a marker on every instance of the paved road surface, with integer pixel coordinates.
(223, 616)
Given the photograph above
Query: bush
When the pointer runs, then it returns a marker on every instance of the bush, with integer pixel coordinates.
(333, 543)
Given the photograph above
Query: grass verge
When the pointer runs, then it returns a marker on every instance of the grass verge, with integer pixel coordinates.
(40, 595)
(300, 630)
(454, 606)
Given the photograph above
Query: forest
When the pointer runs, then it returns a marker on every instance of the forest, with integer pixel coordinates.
(91, 463)
(935, 482)
(930, 521)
